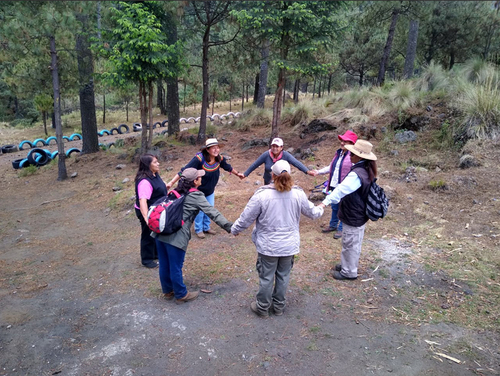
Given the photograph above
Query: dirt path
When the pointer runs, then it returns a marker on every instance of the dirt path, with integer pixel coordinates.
(75, 300)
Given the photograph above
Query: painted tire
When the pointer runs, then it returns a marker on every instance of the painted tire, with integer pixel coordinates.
(22, 143)
(16, 162)
(164, 123)
(104, 131)
(39, 141)
(38, 157)
(50, 139)
(75, 136)
(137, 127)
(24, 163)
(124, 126)
(54, 154)
(49, 153)
(71, 151)
(66, 138)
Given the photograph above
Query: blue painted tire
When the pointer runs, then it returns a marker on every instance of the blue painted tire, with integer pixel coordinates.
(39, 140)
(24, 163)
(104, 131)
(22, 143)
(49, 153)
(38, 157)
(66, 138)
(124, 126)
(51, 138)
(54, 154)
(71, 151)
(75, 136)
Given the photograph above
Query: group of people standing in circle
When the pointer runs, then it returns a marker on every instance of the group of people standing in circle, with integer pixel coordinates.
(275, 207)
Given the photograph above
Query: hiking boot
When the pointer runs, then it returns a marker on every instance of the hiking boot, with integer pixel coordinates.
(167, 296)
(201, 235)
(337, 235)
(337, 267)
(210, 231)
(254, 308)
(340, 276)
(191, 295)
(151, 265)
(328, 229)
(277, 312)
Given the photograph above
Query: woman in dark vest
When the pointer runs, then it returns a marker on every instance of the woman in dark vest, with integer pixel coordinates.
(352, 194)
(149, 187)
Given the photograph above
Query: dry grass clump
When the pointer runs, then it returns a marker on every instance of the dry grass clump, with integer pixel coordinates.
(254, 118)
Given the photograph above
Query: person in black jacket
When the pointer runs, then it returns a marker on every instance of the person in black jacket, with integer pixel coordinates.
(352, 194)
(149, 188)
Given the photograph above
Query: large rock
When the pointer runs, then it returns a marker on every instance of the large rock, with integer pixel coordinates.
(405, 136)
(318, 125)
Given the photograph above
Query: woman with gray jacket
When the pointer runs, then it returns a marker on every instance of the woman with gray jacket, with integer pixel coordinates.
(172, 248)
(276, 210)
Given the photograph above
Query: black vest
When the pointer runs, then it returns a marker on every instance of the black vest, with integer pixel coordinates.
(352, 208)
(159, 189)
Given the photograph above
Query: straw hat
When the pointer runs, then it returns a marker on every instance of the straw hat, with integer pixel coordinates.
(211, 142)
(362, 149)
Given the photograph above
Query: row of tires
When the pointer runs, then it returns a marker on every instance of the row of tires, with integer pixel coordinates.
(136, 127)
(40, 157)
(38, 142)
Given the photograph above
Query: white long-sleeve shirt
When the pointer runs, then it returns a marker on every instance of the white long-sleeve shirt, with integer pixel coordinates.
(350, 184)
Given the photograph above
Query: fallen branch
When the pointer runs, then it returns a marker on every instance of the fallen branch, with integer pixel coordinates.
(449, 357)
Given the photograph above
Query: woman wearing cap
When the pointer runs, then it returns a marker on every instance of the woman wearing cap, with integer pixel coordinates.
(172, 248)
(276, 208)
(209, 160)
(149, 187)
(352, 194)
(273, 155)
(338, 170)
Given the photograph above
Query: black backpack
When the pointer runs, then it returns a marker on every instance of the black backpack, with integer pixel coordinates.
(165, 215)
(377, 203)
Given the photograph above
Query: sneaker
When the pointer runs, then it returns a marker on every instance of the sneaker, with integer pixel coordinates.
(340, 276)
(151, 265)
(254, 308)
(337, 267)
(337, 235)
(277, 312)
(191, 295)
(329, 229)
(201, 235)
(210, 231)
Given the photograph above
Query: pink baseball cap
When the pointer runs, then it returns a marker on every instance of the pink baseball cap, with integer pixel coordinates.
(349, 136)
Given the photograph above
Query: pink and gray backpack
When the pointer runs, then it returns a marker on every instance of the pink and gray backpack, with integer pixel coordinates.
(165, 215)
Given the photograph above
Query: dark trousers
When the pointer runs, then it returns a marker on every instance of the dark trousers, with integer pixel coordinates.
(148, 244)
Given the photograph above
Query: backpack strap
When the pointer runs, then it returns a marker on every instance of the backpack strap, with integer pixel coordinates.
(176, 194)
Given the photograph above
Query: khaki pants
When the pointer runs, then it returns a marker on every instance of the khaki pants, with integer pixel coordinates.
(273, 271)
(352, 238)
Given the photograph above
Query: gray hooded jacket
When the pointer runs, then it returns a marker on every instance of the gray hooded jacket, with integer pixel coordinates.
(277, 216)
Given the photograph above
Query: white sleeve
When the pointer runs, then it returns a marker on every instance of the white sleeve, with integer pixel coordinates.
(351, 183)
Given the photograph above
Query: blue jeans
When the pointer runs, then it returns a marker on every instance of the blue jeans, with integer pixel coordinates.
(202, 221)
(334, 221)
(171, 261)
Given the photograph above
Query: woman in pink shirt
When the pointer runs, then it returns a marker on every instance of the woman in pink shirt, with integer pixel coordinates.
(149, 187)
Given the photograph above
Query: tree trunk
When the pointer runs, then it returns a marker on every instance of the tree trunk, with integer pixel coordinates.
(90, 142)
(173, 105)
(144, 117)
(61, 157)
(329, 82)
(256, 89)
(99, 20)
(361, 75)
(160, 97)
(104, 108)
(44, 117)
(411, 50)
(452, 59)
(296, 91)
(204, 97)
(314, 87)
(230, 97)
(277, 104)
(388, 47)
(126, 108)
(319, 85)
(150, 113)
(264, 70)
(243, 97)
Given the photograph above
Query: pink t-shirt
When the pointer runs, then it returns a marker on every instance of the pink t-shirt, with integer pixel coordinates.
(144, 190)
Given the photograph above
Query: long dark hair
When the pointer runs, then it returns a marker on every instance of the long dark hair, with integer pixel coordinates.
(144, 167)
(207, 156)
(371, 167)
(183, 186)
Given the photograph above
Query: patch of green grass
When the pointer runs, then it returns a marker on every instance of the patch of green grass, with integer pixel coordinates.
(438, 185)
(27, 171)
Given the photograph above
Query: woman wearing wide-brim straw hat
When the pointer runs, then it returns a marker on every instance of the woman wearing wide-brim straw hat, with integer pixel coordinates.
(352, 195)
(210, 160)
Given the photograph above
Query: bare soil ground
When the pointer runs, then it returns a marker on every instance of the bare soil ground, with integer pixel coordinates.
(76, 301)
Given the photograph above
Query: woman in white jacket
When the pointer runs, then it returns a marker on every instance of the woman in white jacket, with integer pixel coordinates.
(276, 209)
